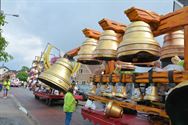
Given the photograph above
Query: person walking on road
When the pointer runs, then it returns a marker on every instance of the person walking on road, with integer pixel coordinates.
(69, 106)
(6, 86)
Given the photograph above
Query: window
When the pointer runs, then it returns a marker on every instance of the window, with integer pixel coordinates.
(83, 82)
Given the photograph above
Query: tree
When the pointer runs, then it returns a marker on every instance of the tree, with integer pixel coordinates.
(4, 56)
(22, 76)
(25, 68)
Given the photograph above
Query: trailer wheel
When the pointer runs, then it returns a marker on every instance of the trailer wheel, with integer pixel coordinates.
(50, 102)
(36, 97)
(46, 101)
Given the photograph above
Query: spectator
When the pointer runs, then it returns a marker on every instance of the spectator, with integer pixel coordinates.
(69, 106)
(6, 86)
(176, 60)
(1, 87)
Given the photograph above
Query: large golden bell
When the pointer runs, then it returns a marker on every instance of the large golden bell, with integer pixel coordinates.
(176, 104)
(107, 46)
(86, 52)
(173, 45)
(123, 93)
(58, 75)
(138, 44)
(113, 110)
(136, 95)
(152, 93)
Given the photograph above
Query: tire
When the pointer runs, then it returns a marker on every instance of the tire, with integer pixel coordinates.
(50, 102)
(36, 97)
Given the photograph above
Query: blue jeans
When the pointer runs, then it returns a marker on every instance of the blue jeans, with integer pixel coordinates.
(68, 118)
(5, 92)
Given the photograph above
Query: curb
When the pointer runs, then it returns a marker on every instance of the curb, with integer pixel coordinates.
(24, 110)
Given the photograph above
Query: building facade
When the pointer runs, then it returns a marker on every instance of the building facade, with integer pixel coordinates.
(86, 72)
(3, 70)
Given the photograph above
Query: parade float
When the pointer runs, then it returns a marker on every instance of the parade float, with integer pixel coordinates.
(43, 91)
(159, 97)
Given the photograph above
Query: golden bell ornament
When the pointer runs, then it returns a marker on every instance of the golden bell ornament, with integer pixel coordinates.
(123, 93)
(112, 93)
(58, 75)
(136, 95)
(138, 44)
(113, 110)
(152, 93)
(173, 45)
(93, 90)
(107, 46)
(176, 104)
(86, 52)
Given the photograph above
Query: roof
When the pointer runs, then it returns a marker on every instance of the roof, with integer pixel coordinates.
(95, 69)
(1, 67)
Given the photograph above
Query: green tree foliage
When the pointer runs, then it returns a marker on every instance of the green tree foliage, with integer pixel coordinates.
(4, 56)
(22, 76)
(25, 68)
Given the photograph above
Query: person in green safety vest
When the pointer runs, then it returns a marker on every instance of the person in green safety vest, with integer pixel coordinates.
(69, 106)
(6, 86)
(176, 60)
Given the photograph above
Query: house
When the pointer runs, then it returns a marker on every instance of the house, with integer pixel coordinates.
(6, 71)
(86, 72)
(3, 70)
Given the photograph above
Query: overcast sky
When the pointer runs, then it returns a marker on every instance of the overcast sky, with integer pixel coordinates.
(60, 22)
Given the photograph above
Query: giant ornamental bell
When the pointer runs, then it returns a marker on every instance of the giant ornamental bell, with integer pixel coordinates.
(176, 104)
(107, 46)
(58, 75)
(86, 52)
(173, 45)
(138, 44)
(113, 110)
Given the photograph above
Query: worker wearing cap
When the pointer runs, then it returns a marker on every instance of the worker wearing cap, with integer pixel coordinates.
(69, 106)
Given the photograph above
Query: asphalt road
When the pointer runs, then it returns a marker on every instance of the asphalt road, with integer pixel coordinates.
(10, 113)
(43, 114)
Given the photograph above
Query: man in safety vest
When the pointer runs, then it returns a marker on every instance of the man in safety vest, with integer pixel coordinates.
(6, 86)
(69, 105)
(176, 60)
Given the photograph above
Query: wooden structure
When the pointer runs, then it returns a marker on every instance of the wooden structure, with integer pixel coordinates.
(156, 77)
(160, 25)
(119, 28)
(90, 33)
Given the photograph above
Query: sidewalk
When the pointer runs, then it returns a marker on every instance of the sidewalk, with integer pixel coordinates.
(10, 113)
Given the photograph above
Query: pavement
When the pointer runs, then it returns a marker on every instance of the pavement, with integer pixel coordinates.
(43, 114)
(13, 113)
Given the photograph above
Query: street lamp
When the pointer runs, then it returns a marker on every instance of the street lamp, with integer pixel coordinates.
(14, 15)
(1, 12)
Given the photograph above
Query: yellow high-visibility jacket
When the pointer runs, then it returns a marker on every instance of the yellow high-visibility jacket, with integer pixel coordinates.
(6, 84)
(181, 63)
(69, 103)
